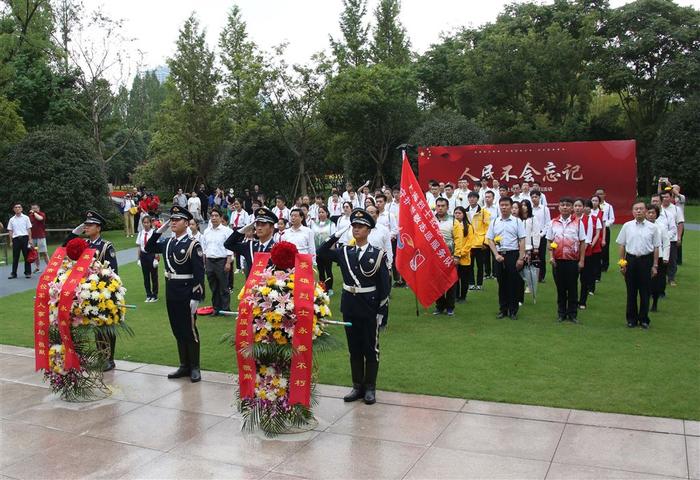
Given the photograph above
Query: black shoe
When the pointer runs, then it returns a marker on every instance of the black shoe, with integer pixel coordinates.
(573, 319)
(11, 277)
(193, 354)
(500, 315)
(513, 316)
(653, 309)
(560, 319)
(27, 275)
(631, 325)
(370, 395)
(356, 393)
(109, 366)
(195, 375)
(645, 326)
(182, 371)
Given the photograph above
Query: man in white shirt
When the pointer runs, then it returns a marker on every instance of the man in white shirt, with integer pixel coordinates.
(608, 220)
(449, 194)
(239, 219)
(675, 221)
(543, 216)
(639, 242)
(461, 193)
(313, 209)
(517, 195)
(194, 206)
(19, 228)
(300, 235)
(180, 199)
(658, 282)
(380, 236)
(543, 198)
(218, 261)
(432, 194)
(280, 209)
(446, 303)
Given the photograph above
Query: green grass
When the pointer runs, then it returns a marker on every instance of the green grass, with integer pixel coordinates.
(598, 365)
(117, 238)
(692, 213)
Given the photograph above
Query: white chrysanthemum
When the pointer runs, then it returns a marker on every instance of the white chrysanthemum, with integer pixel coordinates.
(274, 295)
(290, 306)
(95, 295)
(93, 278)
(283, 382)
(280, 283)
(85, 294)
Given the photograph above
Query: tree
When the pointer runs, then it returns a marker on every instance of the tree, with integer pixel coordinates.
(371, 110)
(447, 128)
(677, 150)
(145, 99)
(58, 156)
(352, 50)
(11, 125)
(389, 43)
(650, 58)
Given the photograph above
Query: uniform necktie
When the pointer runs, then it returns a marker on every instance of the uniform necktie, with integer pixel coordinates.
(235, 222)
(145, 239)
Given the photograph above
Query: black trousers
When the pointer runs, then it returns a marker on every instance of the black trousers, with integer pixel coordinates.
(394, 271)
(325, 272)
(638, 281)
(218, 279)
(183, 324)
(20, 244)
(363, 345)
(658, 283)
(587, 278)
(479, 256)
(605, 254)
(462, 285)
(679, 259)
(596, 269)
(672, 266)
(447, 301)
(566, 278)
(150, 275)
(509, 281)
(488, 266)
(542, 250)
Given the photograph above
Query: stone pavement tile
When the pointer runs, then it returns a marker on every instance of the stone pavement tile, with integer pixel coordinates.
(502, 436)
(173, 466)
(20, 441)
(420, 401)
(281, 476)
(128, 366)
(14, 350)
(153, 427)
(444, 463)
(390, 422)
(693, 447)
(83, 457)
(635, 451)
(343, 456)
(225, 442)
(219, 377)
(18, 396)
(336, 391)
(142, 388)
(692, 427)
(204, 397)
(160, 370)
(633, 422)
(530, 412)
(21, 369)
(74, 417)
(330, 409)
(561, 471)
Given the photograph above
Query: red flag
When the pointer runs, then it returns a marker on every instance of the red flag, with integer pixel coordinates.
(422, 256)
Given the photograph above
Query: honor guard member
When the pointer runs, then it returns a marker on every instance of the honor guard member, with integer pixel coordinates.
(184, 287)
(365, 301)
(105, 253)
(264, 225)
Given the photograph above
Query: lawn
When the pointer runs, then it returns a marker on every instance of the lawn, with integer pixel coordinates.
(692, 213)
(598, 365)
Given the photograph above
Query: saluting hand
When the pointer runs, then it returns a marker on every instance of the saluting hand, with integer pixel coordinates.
(79, 229)
(163, 227)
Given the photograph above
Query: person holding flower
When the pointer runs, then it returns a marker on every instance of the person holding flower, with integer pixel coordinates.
(639, 242)
(567, 238)
(506, 236)
(463, 234)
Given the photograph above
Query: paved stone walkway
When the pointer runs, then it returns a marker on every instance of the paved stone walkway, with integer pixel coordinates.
(152, 427)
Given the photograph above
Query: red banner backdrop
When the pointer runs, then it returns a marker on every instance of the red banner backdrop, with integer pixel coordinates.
(567, 168)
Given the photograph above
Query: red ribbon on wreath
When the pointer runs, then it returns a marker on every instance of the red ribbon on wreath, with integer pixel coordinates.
(302, 341)
(41, 310)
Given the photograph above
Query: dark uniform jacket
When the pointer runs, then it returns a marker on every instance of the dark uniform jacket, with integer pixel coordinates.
(237, 242)
(368, 271)
(104, 250)
(181, 257)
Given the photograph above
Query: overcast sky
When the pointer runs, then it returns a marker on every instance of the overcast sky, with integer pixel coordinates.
(304, 24)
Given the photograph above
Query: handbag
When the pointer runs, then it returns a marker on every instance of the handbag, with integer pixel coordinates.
(133, 210)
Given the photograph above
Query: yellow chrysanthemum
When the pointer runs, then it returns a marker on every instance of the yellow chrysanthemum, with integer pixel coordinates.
(554, 245)
(265, 290)
(271, 281)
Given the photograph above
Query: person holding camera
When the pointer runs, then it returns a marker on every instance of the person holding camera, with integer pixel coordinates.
(38, 219)
(129, 208)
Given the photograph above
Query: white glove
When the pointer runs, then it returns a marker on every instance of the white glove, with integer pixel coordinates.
(155, 263)
(193, 306)
(163, 227)
(79, 229)
(340, 233)
(380, 318)
(247, 228)
(138, 262)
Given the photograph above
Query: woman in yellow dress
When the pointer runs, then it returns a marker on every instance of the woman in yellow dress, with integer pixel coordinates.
(463, 233)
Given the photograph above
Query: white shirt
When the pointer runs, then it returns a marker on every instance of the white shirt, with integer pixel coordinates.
(519, 197)
(493, 210)
(541, 213)
(672, 216)
(451, 202)
(665, 248)
(213, 242)
(532, 233)
(389, 222)
(394, 208)
(283, 212)
(20, 225)
(303, 238)
(194, 205)
(143, 237)
(608, 214)
(431, 199)
(239, 219)
(335, 208)
(461, 199)
(639, 238)
(446, 226)
(343, 222)
(128, 203)
(380, 237)
(322, 231)
(471, 211)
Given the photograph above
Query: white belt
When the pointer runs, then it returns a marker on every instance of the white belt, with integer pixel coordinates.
(178, 276)
(355, 290)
